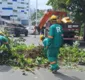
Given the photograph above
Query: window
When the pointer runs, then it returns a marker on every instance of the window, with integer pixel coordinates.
(25, 12)
(27, 3)
(0, 2)
(7, 8)
(6, 17)
(27, 6)
(13, 15)
(20, 7)
(9, 3)
(22, 2)
(14, 0)
(14, 10)
(22, 10)
(27, 9)
(4, 0)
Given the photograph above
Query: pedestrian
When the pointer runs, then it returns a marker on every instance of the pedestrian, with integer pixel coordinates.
(55, 39)
(4, 40)
(45, 42)
(34, 29)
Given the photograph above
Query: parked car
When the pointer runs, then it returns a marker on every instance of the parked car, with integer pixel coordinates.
(16, 29)
(31, 30)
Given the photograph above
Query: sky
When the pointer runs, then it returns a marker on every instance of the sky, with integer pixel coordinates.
(41, 4)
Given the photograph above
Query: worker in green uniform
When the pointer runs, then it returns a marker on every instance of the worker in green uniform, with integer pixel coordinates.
(45, 42)
(55, 39)
(4, 40)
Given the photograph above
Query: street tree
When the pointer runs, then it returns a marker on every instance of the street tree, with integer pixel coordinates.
(40, 13)
(74, 6)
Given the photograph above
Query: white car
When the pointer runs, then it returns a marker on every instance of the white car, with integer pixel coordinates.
(31, 30)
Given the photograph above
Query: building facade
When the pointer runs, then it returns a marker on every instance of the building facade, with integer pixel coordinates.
(15, 10)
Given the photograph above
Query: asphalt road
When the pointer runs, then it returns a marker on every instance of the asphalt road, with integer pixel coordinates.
(9, 73)
(32, 39)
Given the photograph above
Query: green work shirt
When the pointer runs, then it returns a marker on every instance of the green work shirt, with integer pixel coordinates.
(56, 32)
(45, 42)
(3, 40)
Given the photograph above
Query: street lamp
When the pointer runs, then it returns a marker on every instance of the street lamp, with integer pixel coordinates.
(36, 16)
(29, 13)
(36, 10)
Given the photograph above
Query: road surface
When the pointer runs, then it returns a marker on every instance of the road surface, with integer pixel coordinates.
(31, 39)
(9, 73)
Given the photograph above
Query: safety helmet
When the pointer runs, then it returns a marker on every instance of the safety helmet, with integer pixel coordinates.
(53, 17)
(41, 37)
(1, 33)
(66, 20)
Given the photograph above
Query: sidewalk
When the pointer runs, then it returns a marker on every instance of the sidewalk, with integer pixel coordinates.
(8, 73)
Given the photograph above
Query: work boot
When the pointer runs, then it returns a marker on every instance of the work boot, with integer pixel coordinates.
(55, 71)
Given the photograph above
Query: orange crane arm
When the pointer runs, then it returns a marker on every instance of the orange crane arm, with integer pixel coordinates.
(44, 19)
(48, 15)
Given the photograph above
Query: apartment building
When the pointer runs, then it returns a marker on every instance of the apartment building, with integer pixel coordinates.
(15, 10)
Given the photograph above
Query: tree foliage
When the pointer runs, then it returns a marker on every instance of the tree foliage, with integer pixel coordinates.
(57, 4)
(74, 6)
(40, 13)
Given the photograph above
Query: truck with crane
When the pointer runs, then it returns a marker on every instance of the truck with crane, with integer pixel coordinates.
(70, 29)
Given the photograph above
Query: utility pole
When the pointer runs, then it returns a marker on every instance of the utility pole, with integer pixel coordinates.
(36, 16)
(29, 13)
(36, 10)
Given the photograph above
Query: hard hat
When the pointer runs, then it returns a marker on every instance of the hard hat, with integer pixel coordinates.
(41, 37)
(1, 33)
(66, 20)
(53, 17)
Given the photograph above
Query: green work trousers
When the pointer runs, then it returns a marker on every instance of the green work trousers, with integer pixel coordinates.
(52, 55)
(45, 52)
